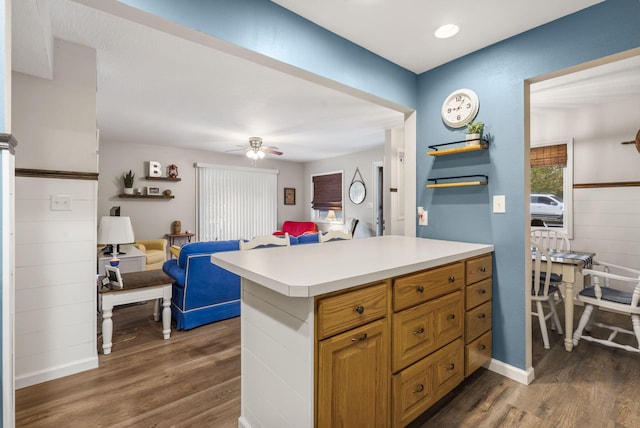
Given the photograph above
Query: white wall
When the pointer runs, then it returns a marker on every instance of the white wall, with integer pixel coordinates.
(365, 211)
(55, 124)
(152, 218)
(605, 219)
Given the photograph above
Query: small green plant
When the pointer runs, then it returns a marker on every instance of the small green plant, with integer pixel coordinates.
(128, 179)
(475, 128)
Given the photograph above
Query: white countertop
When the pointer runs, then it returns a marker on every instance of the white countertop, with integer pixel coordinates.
(314, 269)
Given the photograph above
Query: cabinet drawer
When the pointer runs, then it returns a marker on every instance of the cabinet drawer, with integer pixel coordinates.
(342, 312)
(420, 330)
(478, 320)
(478, 293)
(477, 353)
(448, 368)
(417, 288)
(416, 388)
(479, 268)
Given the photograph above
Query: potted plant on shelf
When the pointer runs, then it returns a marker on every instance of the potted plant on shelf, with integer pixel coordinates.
(474, 133)
(128, 182)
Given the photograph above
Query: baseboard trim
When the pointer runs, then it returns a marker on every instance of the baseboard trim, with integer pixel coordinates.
(22, 381)
(522, 376)
(242, 423)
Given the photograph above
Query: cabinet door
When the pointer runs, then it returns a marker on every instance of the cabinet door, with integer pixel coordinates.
(353, 373)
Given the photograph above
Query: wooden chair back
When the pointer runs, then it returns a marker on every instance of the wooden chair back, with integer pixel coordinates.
(550, 238)
(266, 241)
(333, 235)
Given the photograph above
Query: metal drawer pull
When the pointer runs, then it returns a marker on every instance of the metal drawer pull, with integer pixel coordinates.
(483, 269)
(451, 367)
(420, 388)
(359, 339)
(451, 316)
(360, 309)
(483, 347)
(420, 289)
(452, 278)
(483, 291)
(419, 331)
(482, 316)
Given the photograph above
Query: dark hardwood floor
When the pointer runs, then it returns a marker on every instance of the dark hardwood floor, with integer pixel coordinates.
(193, 380)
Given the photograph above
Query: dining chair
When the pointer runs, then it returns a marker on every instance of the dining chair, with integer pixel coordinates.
(266, 241)
(544, 289)
(615, 288)
(550, 238)
(333, 235)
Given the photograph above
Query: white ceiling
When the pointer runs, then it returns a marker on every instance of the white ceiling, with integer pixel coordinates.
(156, 88)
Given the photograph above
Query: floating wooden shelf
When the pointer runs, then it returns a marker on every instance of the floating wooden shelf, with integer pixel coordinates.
(162, 178)
(458, 183)
(123, 196)
(484, 144)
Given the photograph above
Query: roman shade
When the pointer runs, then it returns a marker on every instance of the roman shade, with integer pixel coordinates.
(549, 156)
(327, 192)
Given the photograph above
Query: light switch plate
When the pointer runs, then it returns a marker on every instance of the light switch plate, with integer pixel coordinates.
(499, 204)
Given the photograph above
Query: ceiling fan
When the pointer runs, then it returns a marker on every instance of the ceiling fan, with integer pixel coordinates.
(257, 151)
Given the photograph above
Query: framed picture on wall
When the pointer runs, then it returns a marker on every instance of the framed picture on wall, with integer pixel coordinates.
(153, 190)
(289, 196)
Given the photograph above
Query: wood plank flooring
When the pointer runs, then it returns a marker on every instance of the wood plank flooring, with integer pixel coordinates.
(193, 380)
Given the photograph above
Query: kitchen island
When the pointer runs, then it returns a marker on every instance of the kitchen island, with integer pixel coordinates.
(305, 308)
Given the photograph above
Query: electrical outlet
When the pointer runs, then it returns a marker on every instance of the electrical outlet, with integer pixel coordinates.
(60, 202)
(499, 204)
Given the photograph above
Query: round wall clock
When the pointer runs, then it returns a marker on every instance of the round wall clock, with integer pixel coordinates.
(460, 108)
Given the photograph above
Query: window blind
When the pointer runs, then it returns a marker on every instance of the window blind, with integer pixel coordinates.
(549, 156)
(235, 202)
(327, 192)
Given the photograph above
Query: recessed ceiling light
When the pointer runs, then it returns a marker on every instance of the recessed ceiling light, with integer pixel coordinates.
(446, 31)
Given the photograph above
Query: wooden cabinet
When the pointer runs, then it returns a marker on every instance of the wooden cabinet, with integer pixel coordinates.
(387, 351)
(353, 358)
(478, 312)
(353, 378)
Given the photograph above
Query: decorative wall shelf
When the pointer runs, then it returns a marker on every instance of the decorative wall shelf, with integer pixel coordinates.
(448, 183)
(162, 178)
(123, 196)
(484, 144)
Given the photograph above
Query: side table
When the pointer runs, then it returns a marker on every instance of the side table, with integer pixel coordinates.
(171, 237)
(138, 287)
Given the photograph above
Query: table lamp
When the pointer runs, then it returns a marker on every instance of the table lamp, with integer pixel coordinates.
(331, 216)
(115, 231)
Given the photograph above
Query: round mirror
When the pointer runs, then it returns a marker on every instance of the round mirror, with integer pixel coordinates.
(357, 192)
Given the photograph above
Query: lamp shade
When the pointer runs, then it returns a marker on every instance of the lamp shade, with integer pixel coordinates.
(115, 230)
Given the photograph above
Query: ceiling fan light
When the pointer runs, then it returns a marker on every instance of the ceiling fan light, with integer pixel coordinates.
(250, 154)
(260, 154)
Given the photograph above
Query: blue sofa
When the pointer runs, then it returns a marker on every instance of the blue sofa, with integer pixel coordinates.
(203, 292)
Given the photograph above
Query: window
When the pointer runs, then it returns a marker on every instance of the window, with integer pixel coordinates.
(327, 196)
(552, 184)
(235, 202)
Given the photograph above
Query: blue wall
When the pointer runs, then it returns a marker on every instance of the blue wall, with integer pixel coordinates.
(497, 74)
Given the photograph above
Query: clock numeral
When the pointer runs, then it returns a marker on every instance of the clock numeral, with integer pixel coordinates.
(449, 110)
(468, 105)
(458, 117)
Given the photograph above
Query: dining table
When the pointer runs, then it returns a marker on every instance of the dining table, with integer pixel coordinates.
(569, 264)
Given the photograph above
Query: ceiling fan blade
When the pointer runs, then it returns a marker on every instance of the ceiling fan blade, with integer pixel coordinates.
(272, 151)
